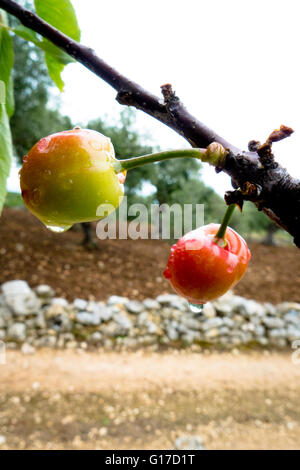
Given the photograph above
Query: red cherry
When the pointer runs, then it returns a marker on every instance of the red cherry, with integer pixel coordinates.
(201, 270)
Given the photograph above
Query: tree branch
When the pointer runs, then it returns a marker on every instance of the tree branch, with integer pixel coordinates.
(273, 190)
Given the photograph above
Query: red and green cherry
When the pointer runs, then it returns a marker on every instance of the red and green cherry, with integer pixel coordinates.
(66, 177)
(203, 266)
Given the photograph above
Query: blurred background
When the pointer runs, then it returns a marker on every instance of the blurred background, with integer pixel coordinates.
(235, 67)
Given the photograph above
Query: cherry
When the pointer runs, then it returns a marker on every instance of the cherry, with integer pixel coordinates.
(202, 267)
(66, 176)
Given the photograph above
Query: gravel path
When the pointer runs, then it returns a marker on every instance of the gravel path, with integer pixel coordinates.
(64, 399)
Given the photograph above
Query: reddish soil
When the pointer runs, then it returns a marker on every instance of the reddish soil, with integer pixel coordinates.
(131, 268)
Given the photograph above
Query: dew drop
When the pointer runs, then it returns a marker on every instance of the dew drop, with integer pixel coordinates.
(196, 308)
(58, 228)
(43, 144)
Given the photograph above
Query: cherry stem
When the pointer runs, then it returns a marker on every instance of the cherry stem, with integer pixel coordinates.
(224, 224)
(214, 155)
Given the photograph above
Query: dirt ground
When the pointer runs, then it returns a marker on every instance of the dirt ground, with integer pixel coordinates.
(67, 400)
(123, 267)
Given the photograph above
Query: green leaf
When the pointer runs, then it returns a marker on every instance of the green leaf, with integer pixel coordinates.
(55, 69)
(46, 46)
(5, 152)
(10, 101)
(6, 109)
(58, 54)
(6, 63)
(61, 15)
(26, 34)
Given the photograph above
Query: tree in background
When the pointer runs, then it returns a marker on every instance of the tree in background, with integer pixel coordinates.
(34, 117)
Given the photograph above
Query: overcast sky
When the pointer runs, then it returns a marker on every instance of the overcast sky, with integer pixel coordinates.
(235, 65)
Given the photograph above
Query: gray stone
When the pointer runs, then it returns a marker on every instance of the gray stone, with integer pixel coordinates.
(2, 335)
(134, 306)
(151, 304)
(172, 300)
(270, 309)
(172, 334)
(106, 313)
(142, 319)
(245, 337)
(228, 322)
(292, 317)
(212, 323)
(223, 331)
(117, 300)
(44, 292)
(250, 308)
(277, 333)
(223, 304)
(212, 333)
(39, 321)
(5, 313)
(248, 327)
(59, 301)
(181, 327)
(273, 322)
(122, 321)
(80, 304)
(151, 328)
(209, 310)
(59, 322)
(189, 443)
(95, 337)
(20, 298)
(93, 307)
(191, 323)
(89, 319)
(15, 288)
(235, 303)
(293, 333)
(17, 332)
(259, 330)
(286, 307)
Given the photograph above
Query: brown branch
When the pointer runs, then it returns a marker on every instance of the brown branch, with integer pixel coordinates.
(273, 190)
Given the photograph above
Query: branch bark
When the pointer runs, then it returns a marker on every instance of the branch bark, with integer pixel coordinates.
(273, 190)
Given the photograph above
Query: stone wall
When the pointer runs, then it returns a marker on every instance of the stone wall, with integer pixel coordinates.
(31, 318)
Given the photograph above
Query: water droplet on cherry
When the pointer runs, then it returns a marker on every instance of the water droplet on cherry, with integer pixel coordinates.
(196, 308)
(43, 144)
(58, 228)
